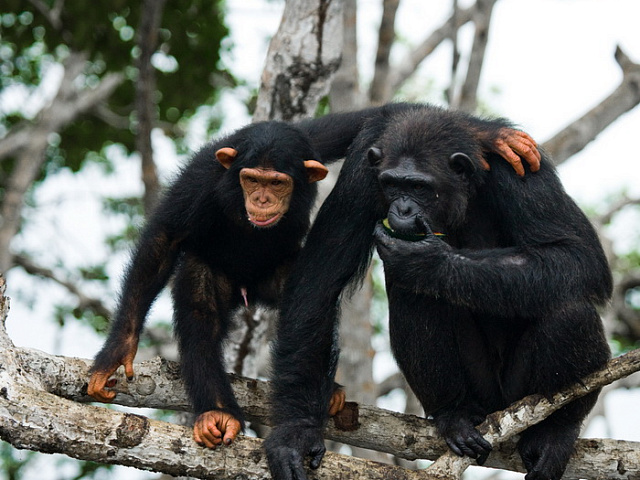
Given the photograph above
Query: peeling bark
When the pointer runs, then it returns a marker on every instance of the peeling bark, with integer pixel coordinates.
(34, 415)
(303, 56)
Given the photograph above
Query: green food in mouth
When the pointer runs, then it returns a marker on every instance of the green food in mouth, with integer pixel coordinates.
(411, 237)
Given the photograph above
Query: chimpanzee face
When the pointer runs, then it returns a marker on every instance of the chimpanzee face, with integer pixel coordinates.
(268, 192)
(423, 192)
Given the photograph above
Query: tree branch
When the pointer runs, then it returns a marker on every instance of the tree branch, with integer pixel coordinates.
(468, 99)
(524, 413)
(157, 385)
(30, 142)
(578, 134)
(345, 94)
(410, 63)
(85, 302)
(303, 56)
(33, 415)
(379, 91)
(150, 18)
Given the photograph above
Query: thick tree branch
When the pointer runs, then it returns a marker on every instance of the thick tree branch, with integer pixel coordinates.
(345, 92)
(303, 56)
(29, 143)
(157, 385)
(410, 63)
(468, 98)
(578, 134)
(151, 16)
(379, 91)
(32, 417)
(85, 302)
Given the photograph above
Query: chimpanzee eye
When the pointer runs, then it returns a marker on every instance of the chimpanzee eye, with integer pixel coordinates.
(275, 183)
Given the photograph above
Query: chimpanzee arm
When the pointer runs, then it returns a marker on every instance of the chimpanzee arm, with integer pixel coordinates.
(147, 274)
(555, 255)
(333, 134)
(337, 251)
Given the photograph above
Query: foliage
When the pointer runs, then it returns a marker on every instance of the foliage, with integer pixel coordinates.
(187, 63)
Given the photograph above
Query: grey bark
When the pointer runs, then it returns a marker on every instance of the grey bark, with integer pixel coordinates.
(380, 89)
(580, 133)
(38, 412)
(151, 16)
(303, 56)
(468, 97)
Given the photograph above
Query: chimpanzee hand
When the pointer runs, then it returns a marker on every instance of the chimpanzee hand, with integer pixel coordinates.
(106, 365)
(406, 261)
(513, 144)
(288, 445)
(215, 427)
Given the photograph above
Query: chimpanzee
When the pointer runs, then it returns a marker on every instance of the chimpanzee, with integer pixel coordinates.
(492, 282)
(230, 228)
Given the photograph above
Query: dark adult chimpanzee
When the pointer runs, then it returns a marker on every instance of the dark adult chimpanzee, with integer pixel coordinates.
(492, 282)
(230, 227)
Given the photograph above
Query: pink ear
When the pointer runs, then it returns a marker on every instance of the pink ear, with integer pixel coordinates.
(315, 170)
(226, 155)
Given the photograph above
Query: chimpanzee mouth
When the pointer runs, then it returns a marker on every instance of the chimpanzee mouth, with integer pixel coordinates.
(402, 234)
(411, 236)
(269, 222)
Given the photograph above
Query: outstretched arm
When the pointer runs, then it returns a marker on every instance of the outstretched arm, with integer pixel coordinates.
(333, 134)
(147, 274)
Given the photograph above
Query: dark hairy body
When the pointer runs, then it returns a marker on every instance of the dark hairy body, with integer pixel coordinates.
(229, 230)
(501, 304)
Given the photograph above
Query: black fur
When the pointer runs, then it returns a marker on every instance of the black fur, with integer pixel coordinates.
(200, 233)
(500, 307)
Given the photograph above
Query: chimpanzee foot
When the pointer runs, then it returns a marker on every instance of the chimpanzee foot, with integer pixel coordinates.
(462, 437)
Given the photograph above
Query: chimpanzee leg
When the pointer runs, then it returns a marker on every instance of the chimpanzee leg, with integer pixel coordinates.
(202, 314)
(558, 350)
(427, 349)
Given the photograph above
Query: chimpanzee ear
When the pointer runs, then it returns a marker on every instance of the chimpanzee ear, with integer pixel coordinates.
(315, 170)
(226, 155)
(375, 156)
(461, 163)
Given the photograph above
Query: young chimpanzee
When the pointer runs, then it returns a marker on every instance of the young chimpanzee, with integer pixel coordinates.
(230, 228)
(492, 280)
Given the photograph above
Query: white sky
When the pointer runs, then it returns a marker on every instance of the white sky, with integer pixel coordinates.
(551, 61)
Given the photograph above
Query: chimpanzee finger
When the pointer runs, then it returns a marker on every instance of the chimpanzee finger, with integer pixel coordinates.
(478, 445)
(231, 429)
(529, 150)
(316, 454)
(205, 430)
(97, 384)
(454, 447)
(210, 438)
(510, 156)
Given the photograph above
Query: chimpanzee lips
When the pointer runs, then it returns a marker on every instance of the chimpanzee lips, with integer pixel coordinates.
(269, 222)
(412, 237)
